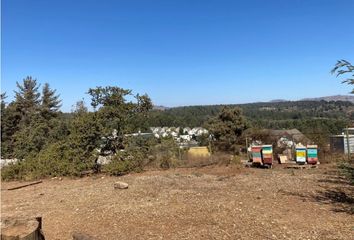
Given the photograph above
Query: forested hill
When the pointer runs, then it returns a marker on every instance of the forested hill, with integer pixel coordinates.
(291, 114)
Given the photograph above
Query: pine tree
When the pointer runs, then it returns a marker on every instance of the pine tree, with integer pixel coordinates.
(50, 102)
(27, 99)
(344, 67)
(227, 128)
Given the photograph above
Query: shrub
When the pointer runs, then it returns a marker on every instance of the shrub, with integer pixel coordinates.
(58, 159)
(165, 154)
(126, 161)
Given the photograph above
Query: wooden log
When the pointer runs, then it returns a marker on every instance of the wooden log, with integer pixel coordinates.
(24, 185)
(22, 229)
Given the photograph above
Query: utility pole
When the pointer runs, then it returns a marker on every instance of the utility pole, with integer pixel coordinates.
(247, 148)
(293, 148)
(348, 146)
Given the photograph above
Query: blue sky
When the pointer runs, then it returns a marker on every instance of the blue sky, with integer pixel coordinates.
(180, 52)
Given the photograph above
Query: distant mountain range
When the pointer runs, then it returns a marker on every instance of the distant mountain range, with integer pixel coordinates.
(345, 98)
(161, 108)
(348, 98)
(279, 100)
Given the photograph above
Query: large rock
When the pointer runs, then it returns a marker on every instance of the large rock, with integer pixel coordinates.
(104, 160)
(120, 185)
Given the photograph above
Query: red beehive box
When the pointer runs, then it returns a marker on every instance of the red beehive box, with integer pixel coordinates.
(256, 154)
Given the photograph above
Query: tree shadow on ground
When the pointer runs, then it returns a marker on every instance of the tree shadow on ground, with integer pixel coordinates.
(338, 191)
(334, 179)
(340, 200)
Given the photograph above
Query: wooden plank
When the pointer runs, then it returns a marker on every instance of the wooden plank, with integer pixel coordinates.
(25, 185)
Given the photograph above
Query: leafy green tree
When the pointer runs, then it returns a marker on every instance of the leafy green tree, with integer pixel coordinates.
(344, 67)
(227, 128)
(115, 112)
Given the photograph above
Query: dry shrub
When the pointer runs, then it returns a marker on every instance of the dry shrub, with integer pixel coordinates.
(219, 158)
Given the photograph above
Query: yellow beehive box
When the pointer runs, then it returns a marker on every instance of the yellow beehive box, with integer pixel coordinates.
(198, 152)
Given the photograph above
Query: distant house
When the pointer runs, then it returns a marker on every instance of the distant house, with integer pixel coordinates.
(186, 130)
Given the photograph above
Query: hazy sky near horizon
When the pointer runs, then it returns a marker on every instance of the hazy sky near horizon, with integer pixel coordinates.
(180, 52)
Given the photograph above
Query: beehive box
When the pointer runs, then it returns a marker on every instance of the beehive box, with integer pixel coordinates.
(267, 154)
(301, 155)
(312, 154)
(256, 154)
(195, 152)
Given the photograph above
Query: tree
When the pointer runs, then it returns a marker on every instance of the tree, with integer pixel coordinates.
(114, 111)
(50, 102)
(85, 136)
(31, 120)
(79, 107)
(27, 98)
(4, 147)
(31, 138)
(3, 103)
(344, 67)
(10, 120)
(227, 128)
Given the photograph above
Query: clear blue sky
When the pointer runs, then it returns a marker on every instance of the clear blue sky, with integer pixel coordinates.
(180, 52)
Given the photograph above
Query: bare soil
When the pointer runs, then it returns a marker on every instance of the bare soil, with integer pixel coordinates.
(197, 203)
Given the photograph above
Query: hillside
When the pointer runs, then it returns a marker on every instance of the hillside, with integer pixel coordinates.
(304, 115)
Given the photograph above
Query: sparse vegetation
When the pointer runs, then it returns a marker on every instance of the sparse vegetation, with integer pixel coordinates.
(347, 169)
(49, 143)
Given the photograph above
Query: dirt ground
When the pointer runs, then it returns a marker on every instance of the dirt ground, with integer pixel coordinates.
(204, 203)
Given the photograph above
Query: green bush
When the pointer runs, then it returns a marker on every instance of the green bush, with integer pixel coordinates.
(126, 161)
(58, 159)
(165, 154)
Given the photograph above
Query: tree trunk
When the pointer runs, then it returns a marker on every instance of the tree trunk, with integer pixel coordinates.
(22, 229)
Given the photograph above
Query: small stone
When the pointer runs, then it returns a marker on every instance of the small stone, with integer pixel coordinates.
(120, 185)
(81, 236)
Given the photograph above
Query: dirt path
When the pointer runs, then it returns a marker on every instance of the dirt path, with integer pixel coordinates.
(207, 203)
